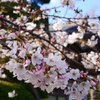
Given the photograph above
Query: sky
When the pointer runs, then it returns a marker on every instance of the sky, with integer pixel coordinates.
(88, 7)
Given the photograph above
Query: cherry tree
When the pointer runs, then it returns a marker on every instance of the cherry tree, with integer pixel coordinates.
(46, 58)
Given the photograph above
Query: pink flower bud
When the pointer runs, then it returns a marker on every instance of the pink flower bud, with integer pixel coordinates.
(1, 16)
(95, 80)
(85, 74)
(74, 85)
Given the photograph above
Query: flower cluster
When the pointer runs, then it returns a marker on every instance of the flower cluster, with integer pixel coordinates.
(91, 60)
(92, 42)
(70, 3)
(64, 38)
(59, 25)
(49, 59)
(50, 72)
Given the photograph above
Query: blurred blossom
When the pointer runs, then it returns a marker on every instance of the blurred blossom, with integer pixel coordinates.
(12, 94)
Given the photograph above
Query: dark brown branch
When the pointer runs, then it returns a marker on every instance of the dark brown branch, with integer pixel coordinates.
(4, 45)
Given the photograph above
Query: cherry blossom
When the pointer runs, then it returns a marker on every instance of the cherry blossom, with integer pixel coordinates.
(36, 58)
(75, 95)
(84, 86)
(92, 42)
(75, 74)
(12, 94)
(20, 69)
(50, 60)
(58, 25)
(22, 53)
(11, 65)
(30, 26)
(2, 33)
(71, 3)
(72, 38)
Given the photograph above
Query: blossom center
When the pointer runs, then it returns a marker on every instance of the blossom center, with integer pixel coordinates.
(83, 84)
(35, 57)
(74, 74)
(21, 67)
(50, 60)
